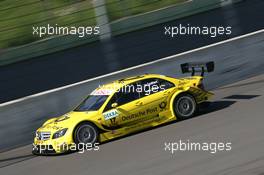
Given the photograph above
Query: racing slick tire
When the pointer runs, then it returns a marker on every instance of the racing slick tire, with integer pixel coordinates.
(184, 106)
(85, 133)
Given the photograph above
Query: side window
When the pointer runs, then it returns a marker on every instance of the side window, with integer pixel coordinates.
(150, 86)
(164, 84)
(154, 85)
(126, 97)
(123, 96)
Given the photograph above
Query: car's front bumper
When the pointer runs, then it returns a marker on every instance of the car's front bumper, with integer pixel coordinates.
(40, 150)
(52, 146)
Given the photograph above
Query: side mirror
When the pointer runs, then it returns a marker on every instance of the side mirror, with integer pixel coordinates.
(113, 105)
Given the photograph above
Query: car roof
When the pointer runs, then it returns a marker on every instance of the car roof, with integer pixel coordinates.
(110, 88)
(129, 80)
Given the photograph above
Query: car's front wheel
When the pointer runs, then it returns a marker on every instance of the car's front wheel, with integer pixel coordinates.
(86, 133)
(184, 106)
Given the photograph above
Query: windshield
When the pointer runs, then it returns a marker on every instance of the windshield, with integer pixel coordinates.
(92, 103)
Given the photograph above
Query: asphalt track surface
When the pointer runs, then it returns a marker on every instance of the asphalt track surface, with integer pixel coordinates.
(87, 61)
(238, 119)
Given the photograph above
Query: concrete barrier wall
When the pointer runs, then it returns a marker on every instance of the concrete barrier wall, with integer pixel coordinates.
(43, 47)
(20, 120)
(122, 26)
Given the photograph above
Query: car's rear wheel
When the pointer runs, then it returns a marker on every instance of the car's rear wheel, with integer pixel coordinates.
(184, 106)
(86, 133)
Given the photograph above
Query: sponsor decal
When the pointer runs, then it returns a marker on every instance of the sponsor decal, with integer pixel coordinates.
(110, 114)
(140, 113)
(54, 127)
(133, 121)
(163, 105)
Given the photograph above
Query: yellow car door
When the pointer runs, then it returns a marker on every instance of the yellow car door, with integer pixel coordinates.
(155, 98)
(123, 109)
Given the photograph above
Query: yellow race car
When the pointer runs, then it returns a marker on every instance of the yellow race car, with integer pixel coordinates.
(123, 107)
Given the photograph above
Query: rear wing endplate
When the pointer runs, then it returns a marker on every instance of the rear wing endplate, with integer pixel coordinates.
(193, 67)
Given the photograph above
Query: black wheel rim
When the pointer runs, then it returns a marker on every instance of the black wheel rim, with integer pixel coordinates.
(185, 106)
(86, 134)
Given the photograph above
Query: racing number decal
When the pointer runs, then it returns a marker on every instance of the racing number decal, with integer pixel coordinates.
(113, 121)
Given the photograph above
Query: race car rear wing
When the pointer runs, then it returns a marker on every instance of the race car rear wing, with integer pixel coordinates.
(193, 67)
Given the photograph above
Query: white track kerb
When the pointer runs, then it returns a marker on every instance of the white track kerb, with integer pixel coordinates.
(131, 68)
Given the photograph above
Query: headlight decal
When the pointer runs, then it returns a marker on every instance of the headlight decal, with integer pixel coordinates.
(59, 133)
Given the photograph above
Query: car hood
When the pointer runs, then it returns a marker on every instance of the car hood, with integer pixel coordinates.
(68, 120)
